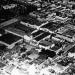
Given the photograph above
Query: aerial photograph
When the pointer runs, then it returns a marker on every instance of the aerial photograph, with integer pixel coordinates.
(37, 37)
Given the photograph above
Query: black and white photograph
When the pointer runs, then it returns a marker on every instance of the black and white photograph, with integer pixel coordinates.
(37, 37)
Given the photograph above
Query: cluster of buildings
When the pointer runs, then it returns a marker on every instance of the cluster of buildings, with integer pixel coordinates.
(37, 37)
